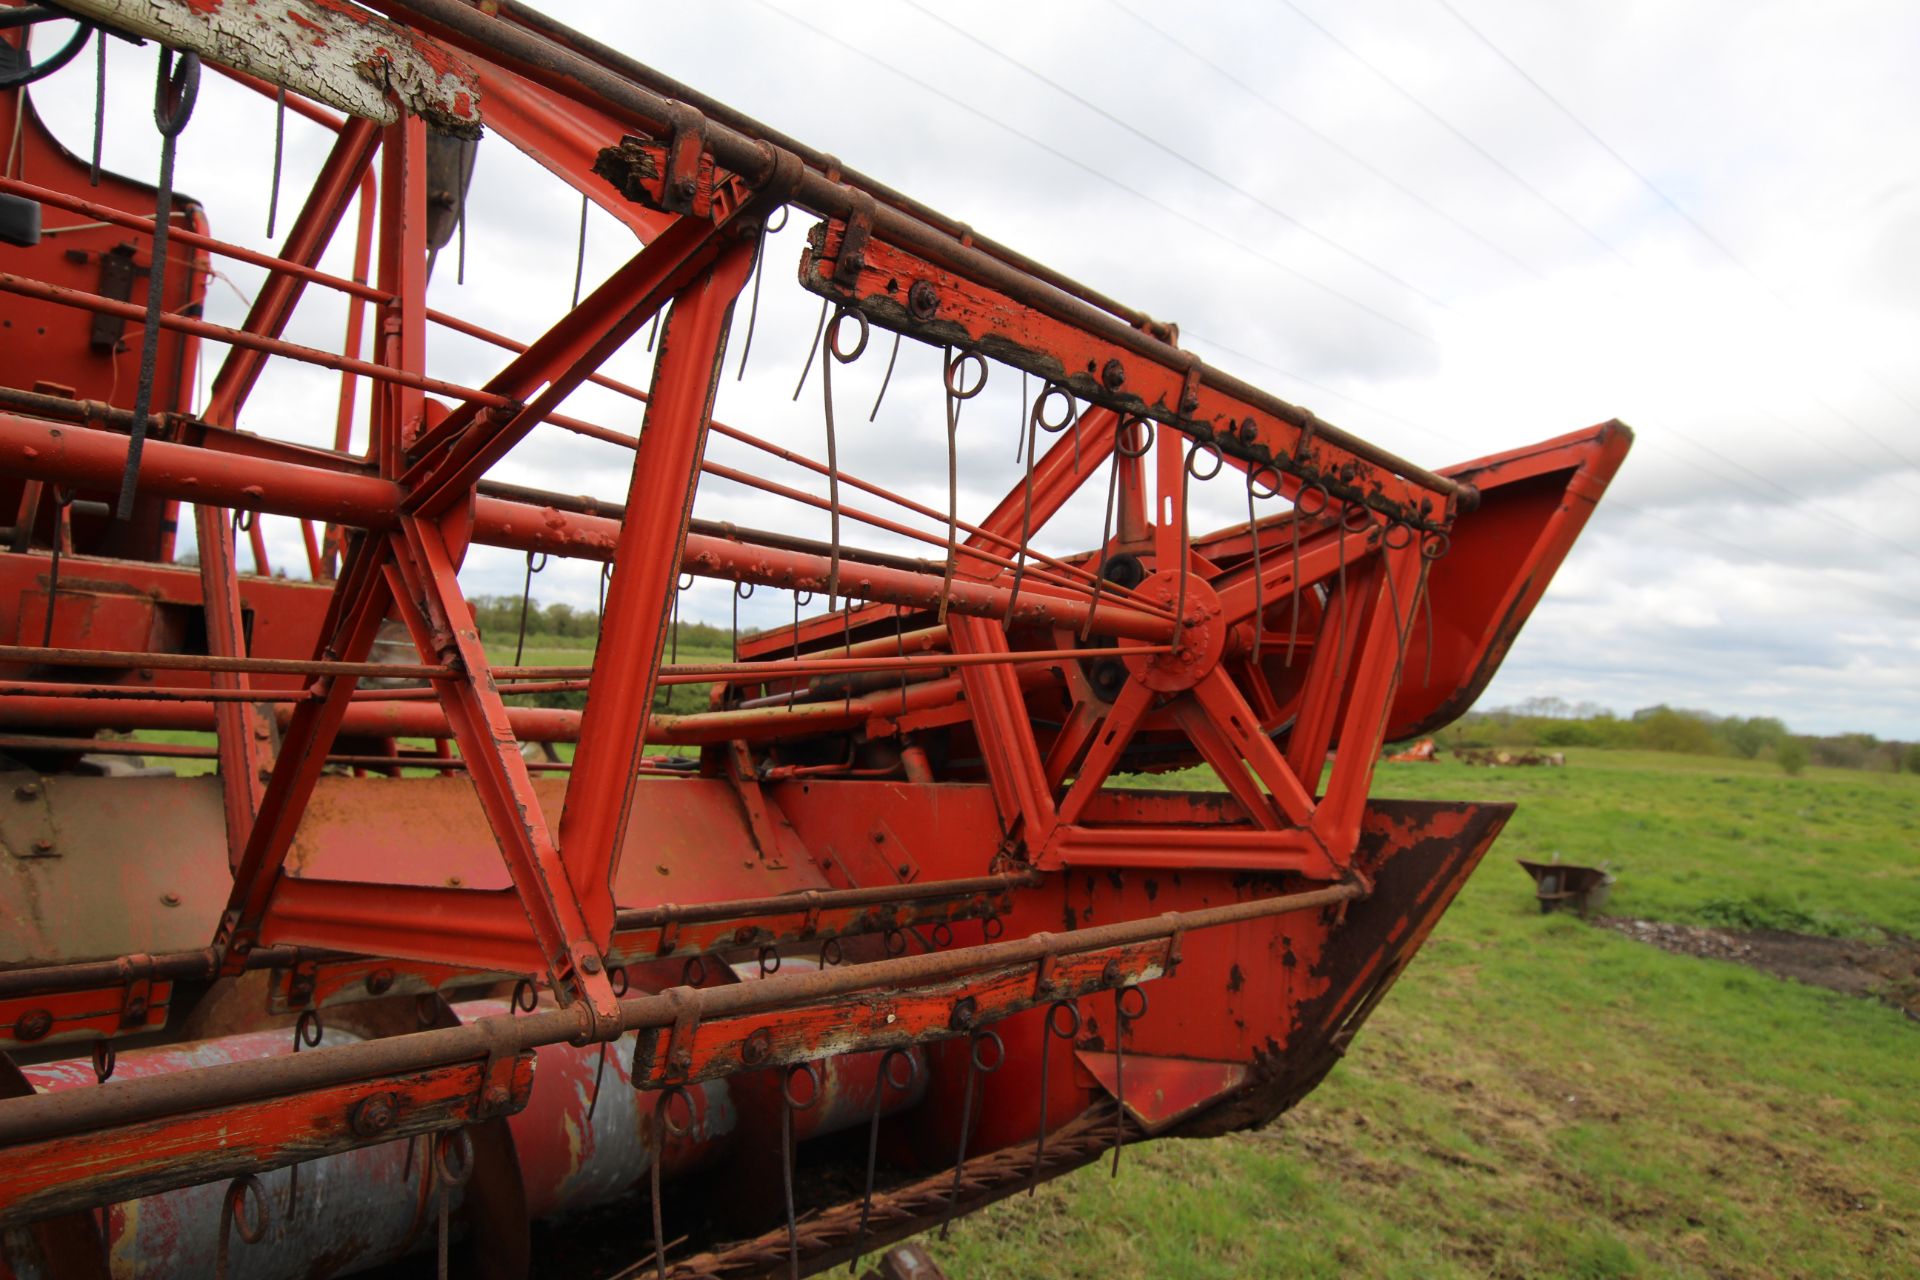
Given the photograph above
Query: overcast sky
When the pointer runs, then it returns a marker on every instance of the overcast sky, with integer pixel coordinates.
(1455, 226)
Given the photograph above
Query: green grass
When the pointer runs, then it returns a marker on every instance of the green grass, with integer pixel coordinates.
(1538, 1097)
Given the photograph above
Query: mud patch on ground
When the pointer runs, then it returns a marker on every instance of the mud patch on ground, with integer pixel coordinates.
(1888, 971)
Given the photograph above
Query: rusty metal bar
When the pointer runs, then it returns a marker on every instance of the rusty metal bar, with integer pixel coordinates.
(34, 655)
(825, 900)
(81, 299)
(24, 1120)
(227, 249)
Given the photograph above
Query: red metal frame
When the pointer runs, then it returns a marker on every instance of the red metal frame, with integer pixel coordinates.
(941, 750)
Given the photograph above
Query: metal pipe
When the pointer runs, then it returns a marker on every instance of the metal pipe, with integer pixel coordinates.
(134, 222)
(81, 299)
(38, 656)
(93, 458)
(24, 1120)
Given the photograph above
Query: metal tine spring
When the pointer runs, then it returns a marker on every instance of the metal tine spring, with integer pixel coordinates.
(1100, 551)
(1020, 437)
(1342, 527)
(886, 380)
(738, 596)
(176, 88)
(1402, 618)
(452, 1166)
(883, 1080)
(1187, 477)
(976, 1067)
(791, 1104)
(793, 694)
(468, 155)
(617, 979)
(953, 379)
(1301, 512)
(813, 348)
(680, 587)
(99, 106)
(306, 1034)
(1122, 1016)
(1433, 545)
(1036, 418)
(1253, 537)
(836, 354)
(233, 1215)
(104, 1058)
(900, 644)
(1051, 1029)
(580, 250)
(279, 155)
(663, 1127)
(759, 259)
(62, 499)
(536, 563)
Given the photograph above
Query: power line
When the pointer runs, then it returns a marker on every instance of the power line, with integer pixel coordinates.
(1615, 499)
(1103, 176)
(1302, 379)
(1453, 129)
(1327, 140)
(1706, 233)
(1177, 156)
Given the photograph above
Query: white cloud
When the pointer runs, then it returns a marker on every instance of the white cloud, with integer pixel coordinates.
(1759, 551)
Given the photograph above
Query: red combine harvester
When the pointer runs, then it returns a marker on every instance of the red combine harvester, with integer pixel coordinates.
(327, 937)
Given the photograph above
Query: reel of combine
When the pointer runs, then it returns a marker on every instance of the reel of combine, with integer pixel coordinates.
(373, 977)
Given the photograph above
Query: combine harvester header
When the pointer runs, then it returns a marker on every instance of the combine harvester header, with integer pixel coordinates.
(415, 959)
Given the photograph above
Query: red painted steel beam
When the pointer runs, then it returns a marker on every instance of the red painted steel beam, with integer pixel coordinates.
(647, 561)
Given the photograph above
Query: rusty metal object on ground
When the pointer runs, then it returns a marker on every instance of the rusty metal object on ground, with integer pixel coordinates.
(1560, 884)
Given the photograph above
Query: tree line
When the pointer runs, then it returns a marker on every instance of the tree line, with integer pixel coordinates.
(1553, 722)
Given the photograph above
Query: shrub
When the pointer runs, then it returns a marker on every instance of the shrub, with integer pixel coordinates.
(1791, 755)
(1664, 729)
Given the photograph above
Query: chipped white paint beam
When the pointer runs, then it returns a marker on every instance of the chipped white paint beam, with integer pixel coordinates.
(327, 50)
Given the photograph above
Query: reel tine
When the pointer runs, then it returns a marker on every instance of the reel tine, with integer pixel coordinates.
(789, 1105)
(1121, 1018)
(975, 1069)
(452, 1166)
(1048, 1031)
(883, 1077)
(232, 1214)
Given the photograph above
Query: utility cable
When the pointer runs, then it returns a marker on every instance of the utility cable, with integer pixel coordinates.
(1091, 171)
(1179, 157)
(1326, 139)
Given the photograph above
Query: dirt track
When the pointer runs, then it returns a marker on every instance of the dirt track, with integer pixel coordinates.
(1888, 970)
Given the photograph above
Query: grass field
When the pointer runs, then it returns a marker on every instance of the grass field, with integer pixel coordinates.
(1539, 1097)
